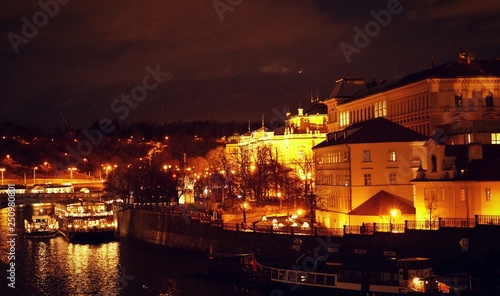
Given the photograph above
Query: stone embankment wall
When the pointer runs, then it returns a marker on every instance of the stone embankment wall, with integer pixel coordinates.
(443, 245)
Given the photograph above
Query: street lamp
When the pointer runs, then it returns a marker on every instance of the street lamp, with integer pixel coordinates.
(245, 205)
(108, 168)
(2, 170)
(71, 172)
(34, 174)
(394, 213)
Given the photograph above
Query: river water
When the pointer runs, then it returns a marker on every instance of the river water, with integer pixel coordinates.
(55, 267)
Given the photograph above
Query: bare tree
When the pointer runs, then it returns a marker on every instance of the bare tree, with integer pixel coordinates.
(431, 206)
(306, 165)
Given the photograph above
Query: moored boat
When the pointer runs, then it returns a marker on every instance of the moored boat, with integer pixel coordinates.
(396, 276)
(40, 226)
(85, 221)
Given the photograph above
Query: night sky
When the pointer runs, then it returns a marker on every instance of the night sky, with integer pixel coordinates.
(224, 59)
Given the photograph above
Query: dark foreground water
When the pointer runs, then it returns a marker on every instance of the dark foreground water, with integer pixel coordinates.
(56, 267)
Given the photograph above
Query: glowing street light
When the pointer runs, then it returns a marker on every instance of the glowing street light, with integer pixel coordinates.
(71, 172)
(34, 174)
(2, 170)
(393, 214)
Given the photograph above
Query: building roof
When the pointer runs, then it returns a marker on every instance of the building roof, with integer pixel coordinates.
(378, 130)
(317, 107)
(456, 69)
(347, 87)
(382, 203)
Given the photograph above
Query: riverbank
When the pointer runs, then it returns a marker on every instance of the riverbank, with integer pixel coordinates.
(445, 246)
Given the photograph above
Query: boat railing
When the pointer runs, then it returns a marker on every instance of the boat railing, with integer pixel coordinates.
(310, 278)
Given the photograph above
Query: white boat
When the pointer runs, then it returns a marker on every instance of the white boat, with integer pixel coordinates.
(394, 277)
(85, 221)
(40, 226)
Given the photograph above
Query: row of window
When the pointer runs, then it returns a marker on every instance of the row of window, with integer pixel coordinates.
(367, 179)
(405, 106)
(335, 180)
(488, 100)
(430, 194)
(367, 155)
(334, 157)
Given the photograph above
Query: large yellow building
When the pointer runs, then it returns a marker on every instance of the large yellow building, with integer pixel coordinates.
(359, 162)
(459, 101)
(293, 141)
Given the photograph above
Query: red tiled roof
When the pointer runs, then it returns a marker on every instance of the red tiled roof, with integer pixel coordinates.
(382, 203)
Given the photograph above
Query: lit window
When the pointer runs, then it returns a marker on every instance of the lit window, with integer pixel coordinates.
(367, 156)
(463, 194)
(495, 138)
(344, 118)
(488, 194)
(368, 179)
(392, 155)
(384, 108)
(392, 178)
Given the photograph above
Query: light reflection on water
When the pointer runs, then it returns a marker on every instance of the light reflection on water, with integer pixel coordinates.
(56, 267)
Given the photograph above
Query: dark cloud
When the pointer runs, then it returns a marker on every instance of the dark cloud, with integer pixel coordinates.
(263, 55)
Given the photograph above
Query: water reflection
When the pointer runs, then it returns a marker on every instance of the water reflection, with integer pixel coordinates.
(55, 267)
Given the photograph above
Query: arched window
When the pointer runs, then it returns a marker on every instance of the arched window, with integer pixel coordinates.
(458, 99)
(489, 99)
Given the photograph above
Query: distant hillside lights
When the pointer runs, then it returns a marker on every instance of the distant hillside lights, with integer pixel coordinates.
(50, 8)
(372, 29)
(122, 108)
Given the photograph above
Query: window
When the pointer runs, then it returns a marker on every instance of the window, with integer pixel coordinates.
(495, 138)
(489, 99)
(344, 118)
(380, 109)
(368, 179)
(392, 155)
(392, 178)
(463, 194)
(434, 163)
(488, 194)
(367, 156)
(458, 99)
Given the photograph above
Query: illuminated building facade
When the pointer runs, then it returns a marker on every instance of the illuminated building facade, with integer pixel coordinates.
(460, 181)
(292, 141)
(358, 162)
(458, 101)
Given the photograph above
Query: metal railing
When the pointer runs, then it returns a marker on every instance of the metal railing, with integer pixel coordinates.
(368, 229)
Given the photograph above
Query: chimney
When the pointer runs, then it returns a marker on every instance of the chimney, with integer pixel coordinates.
(475, 151)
